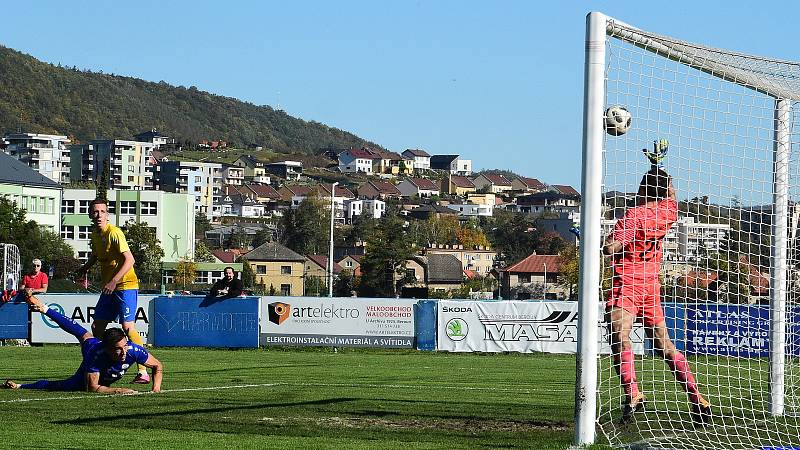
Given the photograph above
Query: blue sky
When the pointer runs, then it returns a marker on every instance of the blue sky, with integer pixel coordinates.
(498, 82)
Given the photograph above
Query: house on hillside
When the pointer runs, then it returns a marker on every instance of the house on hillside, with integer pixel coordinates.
(425, 212)
(373, 208)
(277, 268)
(452, 164)
(360, 160)
(527, 185)
(420, 159)
(432, 273)
(254, 170)
(232, 174)
(458, 185)
(288, 170)
(376, 189)
(492, 182)
(421, 187)
(535, 277)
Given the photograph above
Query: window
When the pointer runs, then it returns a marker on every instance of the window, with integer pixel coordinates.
(131, 168)
(130, 179)
(83, 232)
(286, 289)
(32, 204)
(112, 207)
(24, 202)
(411, 274)
(42, 204)
(130, 158)
(68, 207)
(286, 270)
(524, 278)
(149, 208)
(51, 202)
(67, 232)
(348, 264)
(198, 189)
(83, 256)
(261, 269)
(127, 207)
(198, 179)
(83, 206)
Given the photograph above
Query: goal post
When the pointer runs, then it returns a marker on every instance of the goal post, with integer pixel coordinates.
(730, 278)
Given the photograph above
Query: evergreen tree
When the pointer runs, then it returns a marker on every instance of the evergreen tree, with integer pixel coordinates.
(387, 251)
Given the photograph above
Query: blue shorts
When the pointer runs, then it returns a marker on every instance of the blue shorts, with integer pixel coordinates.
(118, 304)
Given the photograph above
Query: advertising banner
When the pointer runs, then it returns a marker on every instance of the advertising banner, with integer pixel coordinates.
(517, 326)
(80, 308)
(338, 322)
(14, 320)
(734, 330)
(191, 322)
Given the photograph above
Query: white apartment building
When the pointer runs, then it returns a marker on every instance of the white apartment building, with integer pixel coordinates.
(45, 153)
(467, 210)
(356, 207)
(129, 168)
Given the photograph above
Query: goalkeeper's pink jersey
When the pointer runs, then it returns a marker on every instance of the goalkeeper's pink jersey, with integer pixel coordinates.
(641, 232)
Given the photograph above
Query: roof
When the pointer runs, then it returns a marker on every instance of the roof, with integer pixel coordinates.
(537, 264)
(444, 268)
(496, 179)
(363, 153)
(566, 190)
(385, 154)
(442, 162)
(322, 261)
(357, 258)
(383, 187)
(417, 152)
(226, 256)
(424, 184)
(262, 190)
(462, 182)
(325, 190)
(13, 171)
(698, 278)
(532, 183)
(272, 251)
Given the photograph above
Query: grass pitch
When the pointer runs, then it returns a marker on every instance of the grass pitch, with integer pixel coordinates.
(299, 398)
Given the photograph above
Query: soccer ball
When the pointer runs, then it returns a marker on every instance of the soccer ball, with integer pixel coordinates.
(617, 120)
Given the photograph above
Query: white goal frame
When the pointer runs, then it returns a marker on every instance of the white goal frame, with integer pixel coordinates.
(598, 29)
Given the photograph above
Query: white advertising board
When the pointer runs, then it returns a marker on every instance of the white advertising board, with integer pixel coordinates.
(80, 308)
(516, 326)
(338, 322)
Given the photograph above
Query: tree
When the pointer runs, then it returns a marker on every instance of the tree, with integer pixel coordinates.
(185, 272)
(238, 239)
(387, 251)
(262, 236)
(314, 286)
(569, 277)
(345, 284)
(146, 250)
(248, 275)
(306, 228)
(471, 236)
(201, 224)
(202, 253)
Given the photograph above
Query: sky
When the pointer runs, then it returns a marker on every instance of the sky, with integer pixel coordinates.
(498, 82)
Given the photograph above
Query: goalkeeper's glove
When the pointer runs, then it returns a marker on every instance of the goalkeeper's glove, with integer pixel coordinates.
(660, 148)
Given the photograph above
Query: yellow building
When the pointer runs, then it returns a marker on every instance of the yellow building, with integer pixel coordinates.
(277, 267)
(457, 185)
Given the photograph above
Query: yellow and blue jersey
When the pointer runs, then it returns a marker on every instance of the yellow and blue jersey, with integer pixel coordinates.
(108, 247)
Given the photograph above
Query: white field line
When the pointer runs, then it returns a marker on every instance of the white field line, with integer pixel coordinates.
(247, 386)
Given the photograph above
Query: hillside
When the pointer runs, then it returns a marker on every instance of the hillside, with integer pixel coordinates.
(42, 98)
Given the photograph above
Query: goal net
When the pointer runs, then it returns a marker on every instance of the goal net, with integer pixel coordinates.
(729, 275)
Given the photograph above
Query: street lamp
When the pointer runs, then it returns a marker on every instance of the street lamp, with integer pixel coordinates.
(545, 280)
(330, 254)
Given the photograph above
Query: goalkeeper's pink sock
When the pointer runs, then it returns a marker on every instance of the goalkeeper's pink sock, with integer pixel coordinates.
(627, 373)
(680, 367)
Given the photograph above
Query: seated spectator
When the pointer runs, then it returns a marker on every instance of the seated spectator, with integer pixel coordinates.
(227, 287)
(34, 282)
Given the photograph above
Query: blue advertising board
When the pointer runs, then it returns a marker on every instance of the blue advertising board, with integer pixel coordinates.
(732, 330)
(14, 320)
(194, 322)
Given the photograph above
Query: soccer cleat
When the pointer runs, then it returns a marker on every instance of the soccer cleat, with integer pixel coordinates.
(10, 385)
(701, 413)
(141, 378)
(633, 406)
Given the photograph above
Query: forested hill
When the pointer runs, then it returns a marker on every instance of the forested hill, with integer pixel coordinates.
(39, 97)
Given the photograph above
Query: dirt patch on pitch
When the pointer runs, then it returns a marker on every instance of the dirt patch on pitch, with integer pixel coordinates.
(469, 425)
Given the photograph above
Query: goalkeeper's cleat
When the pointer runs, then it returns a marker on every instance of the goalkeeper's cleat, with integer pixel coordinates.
(633, 406)
(701, 413)
(10, 385)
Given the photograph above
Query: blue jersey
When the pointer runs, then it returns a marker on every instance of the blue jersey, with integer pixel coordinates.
(95, 360)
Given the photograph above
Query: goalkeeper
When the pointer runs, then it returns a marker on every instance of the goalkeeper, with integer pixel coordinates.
(635, 248)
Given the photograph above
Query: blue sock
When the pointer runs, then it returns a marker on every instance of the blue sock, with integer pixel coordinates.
(41, 384)
(66, 324)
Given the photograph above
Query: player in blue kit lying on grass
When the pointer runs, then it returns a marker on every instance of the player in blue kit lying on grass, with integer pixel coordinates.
(104, 361)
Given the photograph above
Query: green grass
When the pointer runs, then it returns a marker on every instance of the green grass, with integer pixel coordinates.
(300, 398)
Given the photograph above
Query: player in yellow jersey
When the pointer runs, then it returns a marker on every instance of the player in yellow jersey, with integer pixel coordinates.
(118, 299)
